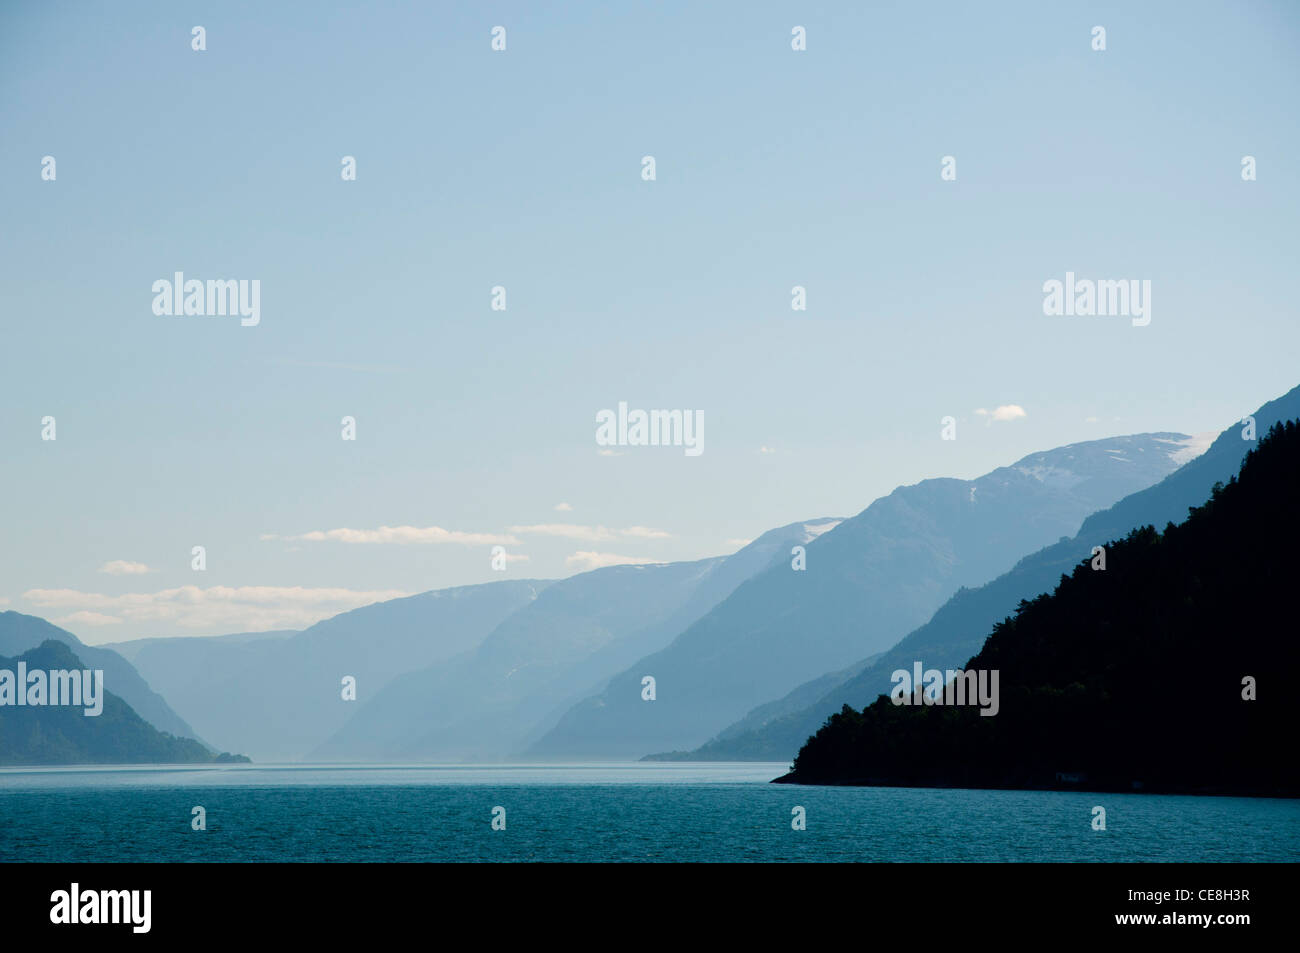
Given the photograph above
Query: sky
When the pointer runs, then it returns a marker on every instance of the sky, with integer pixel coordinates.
(523, 169)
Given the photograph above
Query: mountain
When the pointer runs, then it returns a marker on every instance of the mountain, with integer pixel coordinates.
(743, 740)
(64, 734)
(19, 632)
(488, 703)
(276, 698)
(867, 582)
(958, 628)
(1170, 671)
(176, 650)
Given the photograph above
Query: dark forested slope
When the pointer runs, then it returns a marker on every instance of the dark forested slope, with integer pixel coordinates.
(1134, 677)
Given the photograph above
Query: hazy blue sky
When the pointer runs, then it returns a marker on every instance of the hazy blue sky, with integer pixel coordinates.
(476, 168)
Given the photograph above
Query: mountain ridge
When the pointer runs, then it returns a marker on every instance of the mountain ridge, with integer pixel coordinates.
(868, 581)
(63, 734)
(20, 632)
(1122, 679)
(487, 703)
(957, 629)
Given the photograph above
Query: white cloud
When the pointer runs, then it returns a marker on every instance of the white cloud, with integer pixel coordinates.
(739, 543)
(1090, 420)
(3, 601)
(589, 534)
(609, 453)
(584, 561)
(246, 608)
(766, 450)
(1004, 412)
(123, 567)
(86, 617)
(403, 535)
(564, 507)
(645, 532)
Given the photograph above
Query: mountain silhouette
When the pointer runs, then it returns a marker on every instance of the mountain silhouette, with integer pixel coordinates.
(489, 702)
(19, 632)
(1171, 670)
(278, 697)
(868, 582)
(64, 734)
(959, 627)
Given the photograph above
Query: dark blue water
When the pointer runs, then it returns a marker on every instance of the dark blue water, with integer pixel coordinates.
(600, 813)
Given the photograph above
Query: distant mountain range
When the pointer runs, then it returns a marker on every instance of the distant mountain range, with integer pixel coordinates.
(276, 698)
(749, 654)
(489, 671)
(485, 704)
(61, 734)
(959, 627)
(1171, 670)
(19, 632)
(868, 581)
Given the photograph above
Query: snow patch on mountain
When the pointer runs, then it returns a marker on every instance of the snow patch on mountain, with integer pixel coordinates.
(812, 530)
(1192, 447)
(1057, 477)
